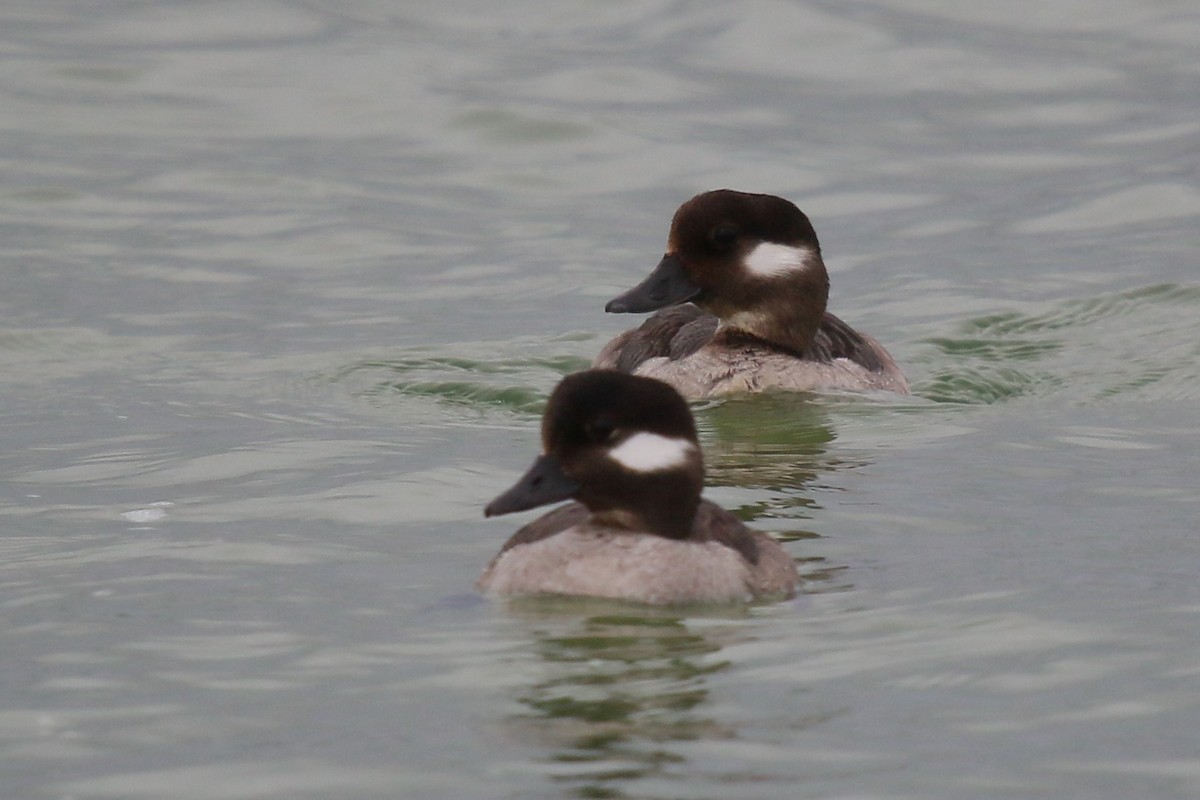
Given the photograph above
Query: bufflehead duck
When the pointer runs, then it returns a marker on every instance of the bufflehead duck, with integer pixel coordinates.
(625, 449)
(744, 291)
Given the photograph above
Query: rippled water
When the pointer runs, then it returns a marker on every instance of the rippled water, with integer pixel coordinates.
(283, 289)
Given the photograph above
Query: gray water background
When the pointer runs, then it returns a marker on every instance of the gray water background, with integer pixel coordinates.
(283, 288)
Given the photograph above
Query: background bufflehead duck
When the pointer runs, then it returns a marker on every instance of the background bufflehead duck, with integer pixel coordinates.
(744, 290)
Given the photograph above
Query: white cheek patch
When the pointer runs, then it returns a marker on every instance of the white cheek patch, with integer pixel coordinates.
(769, 259)
(649, 452)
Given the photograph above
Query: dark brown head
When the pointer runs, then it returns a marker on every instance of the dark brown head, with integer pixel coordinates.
(751, 259)
(622, 445)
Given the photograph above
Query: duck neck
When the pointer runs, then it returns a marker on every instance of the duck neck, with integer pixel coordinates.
(664, 505)
(784, 317)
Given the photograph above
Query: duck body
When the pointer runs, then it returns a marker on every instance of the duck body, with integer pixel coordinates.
(743, 291)
(722, 363)
(625, 448)
(568, 552)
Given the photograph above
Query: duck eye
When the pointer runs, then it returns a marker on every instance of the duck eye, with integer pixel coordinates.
(601, 430)
(724, 236)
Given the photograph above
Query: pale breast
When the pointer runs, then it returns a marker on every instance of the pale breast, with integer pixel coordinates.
(586, 560)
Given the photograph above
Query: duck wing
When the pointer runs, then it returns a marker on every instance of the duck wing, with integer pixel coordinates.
(672, 333)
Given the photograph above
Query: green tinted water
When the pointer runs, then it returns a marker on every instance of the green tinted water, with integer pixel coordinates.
(283, 291)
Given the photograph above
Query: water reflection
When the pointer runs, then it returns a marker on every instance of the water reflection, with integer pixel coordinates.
(623, 685)
(778, 442)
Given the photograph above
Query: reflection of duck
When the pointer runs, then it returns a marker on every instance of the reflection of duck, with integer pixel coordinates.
(751, 265)
(625, 448)
(620, 691)
(778, 441)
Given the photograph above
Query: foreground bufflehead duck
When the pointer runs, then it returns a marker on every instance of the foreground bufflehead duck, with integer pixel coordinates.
(625, 449)
(748, 269)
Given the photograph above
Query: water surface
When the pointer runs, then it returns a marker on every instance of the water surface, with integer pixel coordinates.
(283, 290)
